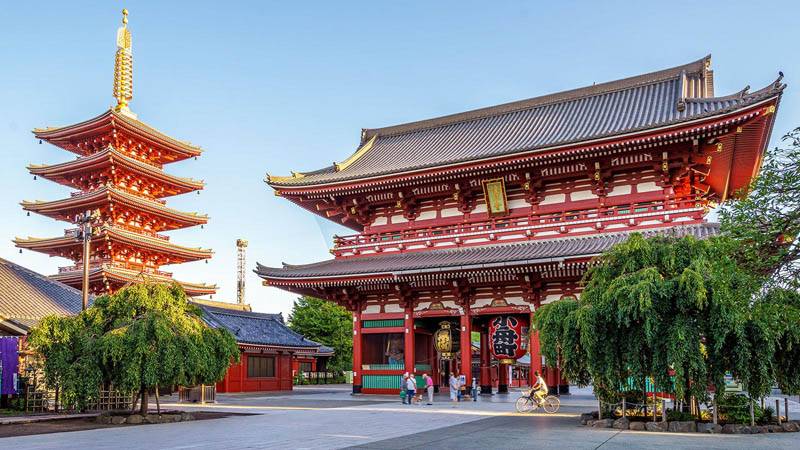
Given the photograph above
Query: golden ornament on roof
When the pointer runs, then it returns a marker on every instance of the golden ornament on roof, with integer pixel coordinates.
(123, 68)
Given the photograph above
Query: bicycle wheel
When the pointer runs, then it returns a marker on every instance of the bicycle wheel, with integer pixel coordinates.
(524, 404)
(551, 404)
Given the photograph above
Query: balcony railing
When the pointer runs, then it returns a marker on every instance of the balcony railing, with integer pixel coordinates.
(532, 224)
(121, 265)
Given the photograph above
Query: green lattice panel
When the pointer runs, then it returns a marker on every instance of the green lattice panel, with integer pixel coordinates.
(384, 366)
(387, 323)
(381, 381)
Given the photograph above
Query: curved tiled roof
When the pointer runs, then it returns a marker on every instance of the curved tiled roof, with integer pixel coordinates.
(91, 199)
(63, 172)
(257, 328)
(649, 101)
(478, 257)
(26, 296)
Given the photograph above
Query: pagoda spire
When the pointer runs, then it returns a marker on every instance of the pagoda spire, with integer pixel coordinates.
(123, 68)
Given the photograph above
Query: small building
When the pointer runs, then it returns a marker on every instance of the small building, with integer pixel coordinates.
(26, 297)
(271, 353)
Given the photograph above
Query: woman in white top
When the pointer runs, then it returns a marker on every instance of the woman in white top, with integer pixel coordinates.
(454, 387)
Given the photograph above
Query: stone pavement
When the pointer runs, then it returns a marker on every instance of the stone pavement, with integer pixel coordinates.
(329, 417)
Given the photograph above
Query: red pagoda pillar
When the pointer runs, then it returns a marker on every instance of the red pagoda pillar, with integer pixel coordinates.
(408, 351)
(536, 356)
(466, 346)
(357, 351)
(486, 363)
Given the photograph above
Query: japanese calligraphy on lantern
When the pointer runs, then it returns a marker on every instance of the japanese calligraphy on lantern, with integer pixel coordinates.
(508, 338)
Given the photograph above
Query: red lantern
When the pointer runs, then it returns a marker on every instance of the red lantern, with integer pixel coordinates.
(508, 338)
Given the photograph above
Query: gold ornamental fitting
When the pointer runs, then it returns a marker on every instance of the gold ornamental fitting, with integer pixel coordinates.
(506, 361)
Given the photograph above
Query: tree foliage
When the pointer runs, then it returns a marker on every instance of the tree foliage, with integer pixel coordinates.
(766, 217)
(142, 337)
(686, 311)
(328, 324)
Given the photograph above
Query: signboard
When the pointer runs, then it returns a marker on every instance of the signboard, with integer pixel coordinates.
(494, 193)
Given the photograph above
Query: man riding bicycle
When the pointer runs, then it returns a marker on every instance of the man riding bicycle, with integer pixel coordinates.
(539, 388)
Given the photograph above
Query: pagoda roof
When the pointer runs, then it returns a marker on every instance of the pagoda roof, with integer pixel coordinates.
(119, 235)
(26, 297)
(256, 328)
(121, 276)
(63, 173)
(68, 137)
(392, 266)
(65, 209)
(595, 113)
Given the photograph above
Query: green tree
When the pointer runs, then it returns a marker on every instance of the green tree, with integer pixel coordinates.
(691, 310)
(765, 218)
(138, 339)
(328, 324)
(70, 362)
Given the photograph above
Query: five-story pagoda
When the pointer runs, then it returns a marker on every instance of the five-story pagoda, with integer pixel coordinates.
(118, 176)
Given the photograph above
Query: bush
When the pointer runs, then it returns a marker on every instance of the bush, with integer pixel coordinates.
(679, 416)
(735, 408)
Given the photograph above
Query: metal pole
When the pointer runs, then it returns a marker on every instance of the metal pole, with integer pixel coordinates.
(623, 407)
(87, 236)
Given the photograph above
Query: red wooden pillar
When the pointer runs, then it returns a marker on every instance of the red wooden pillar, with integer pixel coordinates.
(466, 346)
(551, 378)
(242, 370)
(536, 357)
(434, 366)
(357, 351)
(502, 378)
(408, 351)
(486, 363)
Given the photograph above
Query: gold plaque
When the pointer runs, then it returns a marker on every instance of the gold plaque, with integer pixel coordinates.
(494, 193)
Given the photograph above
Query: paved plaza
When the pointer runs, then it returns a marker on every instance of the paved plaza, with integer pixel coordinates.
(329, 417)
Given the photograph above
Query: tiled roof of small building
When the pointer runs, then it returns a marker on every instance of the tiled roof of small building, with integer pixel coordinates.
(635, 104)
(478, 257)
(257, 328)
(26, 296)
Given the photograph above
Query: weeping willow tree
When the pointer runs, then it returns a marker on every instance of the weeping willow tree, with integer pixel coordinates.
(686, 311)
(142, 337)
(663, 307)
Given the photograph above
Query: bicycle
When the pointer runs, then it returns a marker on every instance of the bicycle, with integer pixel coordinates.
(527, 403)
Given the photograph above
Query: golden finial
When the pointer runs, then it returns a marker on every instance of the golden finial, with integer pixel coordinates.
(123, 68)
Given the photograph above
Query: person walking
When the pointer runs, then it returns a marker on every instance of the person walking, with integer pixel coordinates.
(462, 386)
(453, 385)
(428, 387)
(411, 388)
(403, 388)
(474, 389)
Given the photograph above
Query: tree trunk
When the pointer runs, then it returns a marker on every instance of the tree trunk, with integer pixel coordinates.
(143, 409)
(158, 402)
(57, 396)
(135, 401)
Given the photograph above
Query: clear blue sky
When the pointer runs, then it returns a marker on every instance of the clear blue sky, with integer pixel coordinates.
(279, 86)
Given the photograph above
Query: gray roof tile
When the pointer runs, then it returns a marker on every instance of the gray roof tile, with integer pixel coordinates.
(257, 328)
(523, 253)
(604, 110)
(26, 296)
